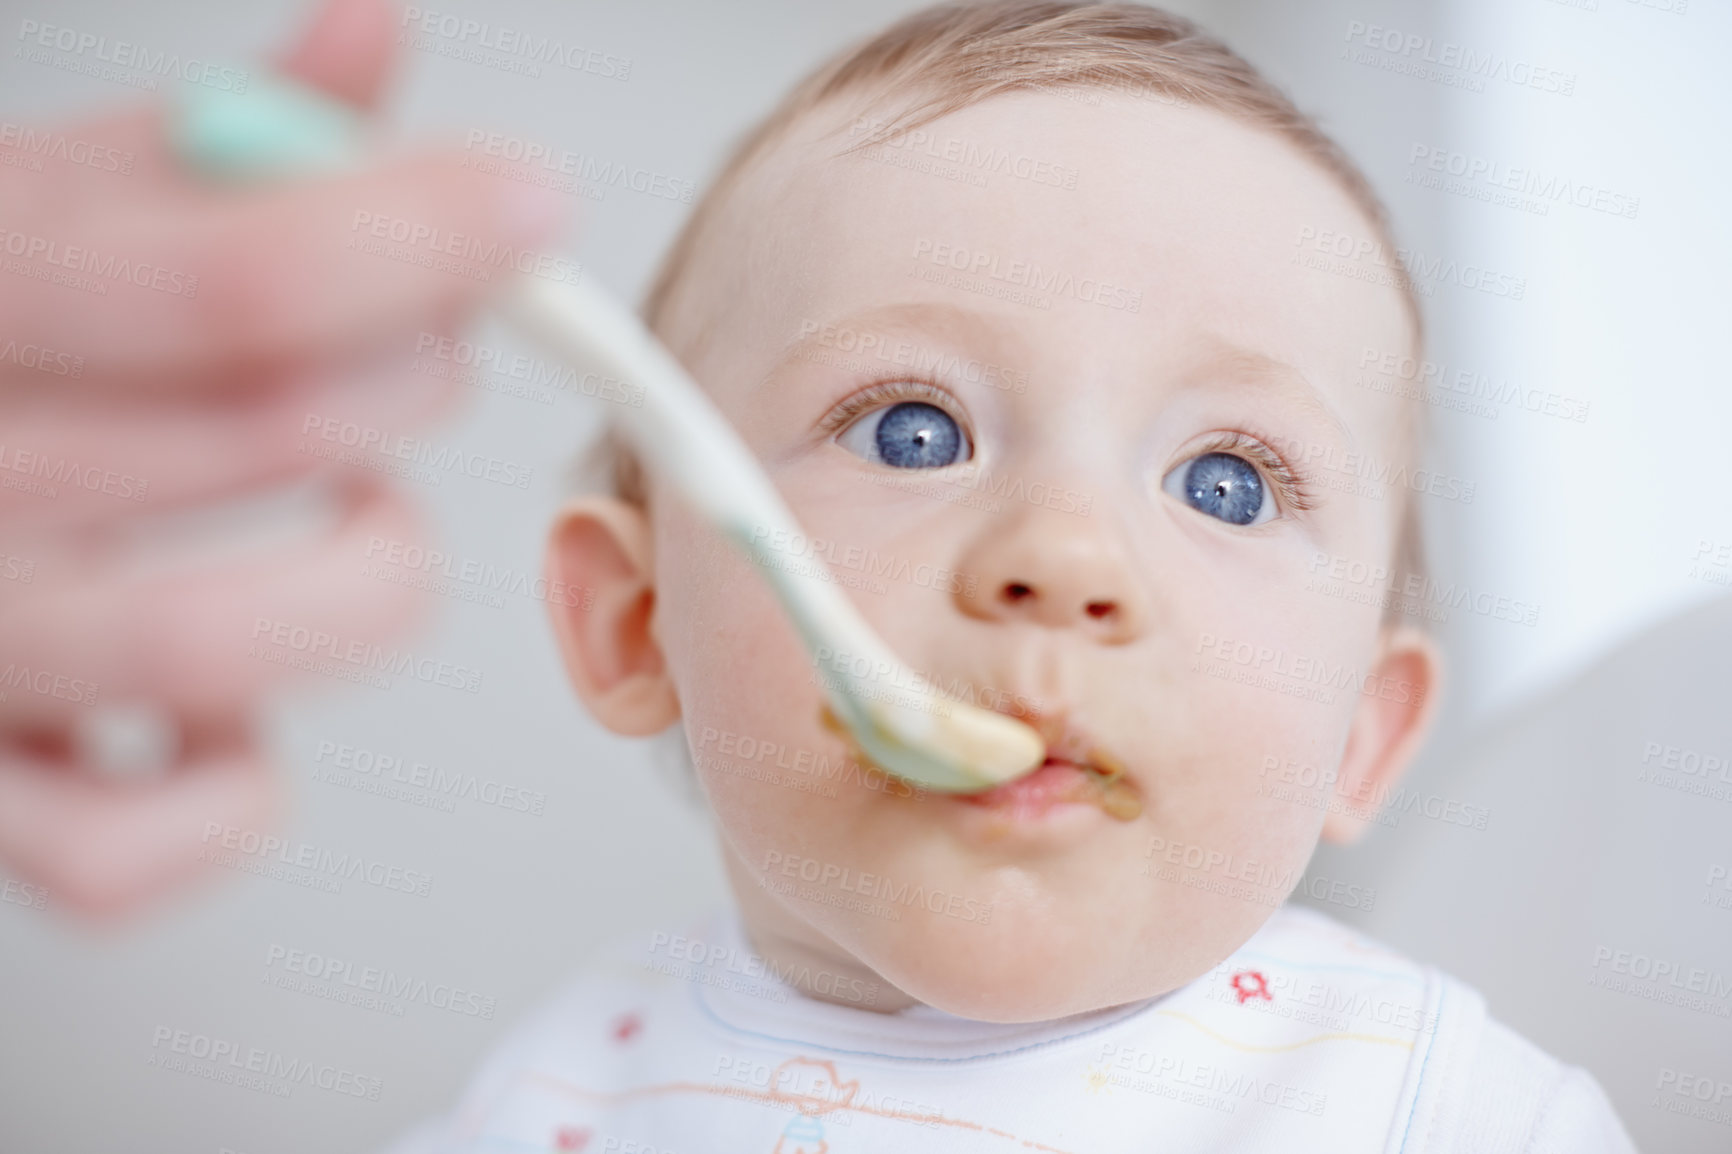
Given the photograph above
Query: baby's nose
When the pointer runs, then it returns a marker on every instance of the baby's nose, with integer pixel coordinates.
(1054, 569)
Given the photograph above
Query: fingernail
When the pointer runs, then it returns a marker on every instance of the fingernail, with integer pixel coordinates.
(528, 212)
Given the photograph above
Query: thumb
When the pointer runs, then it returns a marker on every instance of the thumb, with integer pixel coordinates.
(347, 50)
(103, 849)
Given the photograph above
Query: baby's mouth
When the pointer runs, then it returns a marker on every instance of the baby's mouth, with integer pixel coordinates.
(1095, 780)
(1075, 770)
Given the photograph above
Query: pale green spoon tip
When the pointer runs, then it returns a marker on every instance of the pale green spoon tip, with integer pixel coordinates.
(276, 128)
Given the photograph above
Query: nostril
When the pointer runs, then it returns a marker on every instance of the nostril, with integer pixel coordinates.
(1100, 609)
(1015, 591)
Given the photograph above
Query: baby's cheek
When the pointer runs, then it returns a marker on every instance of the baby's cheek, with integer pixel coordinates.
(749, 695)
(1251, 711)
(1223, 853)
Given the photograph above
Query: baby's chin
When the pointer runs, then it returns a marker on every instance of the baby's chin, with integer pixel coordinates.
(1022, 967)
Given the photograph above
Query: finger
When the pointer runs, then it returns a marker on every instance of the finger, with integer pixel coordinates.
(186, 637)
(113, 150)
(346, 50)
(213, 288)
(103, 848)
(79, 459)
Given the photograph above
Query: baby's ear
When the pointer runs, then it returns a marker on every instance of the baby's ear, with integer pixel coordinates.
(1395, 711)
(600, 565)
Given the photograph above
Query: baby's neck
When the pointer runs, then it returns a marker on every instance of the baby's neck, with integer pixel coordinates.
(802, 956)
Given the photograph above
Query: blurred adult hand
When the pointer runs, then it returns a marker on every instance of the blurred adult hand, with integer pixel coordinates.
(148, 401)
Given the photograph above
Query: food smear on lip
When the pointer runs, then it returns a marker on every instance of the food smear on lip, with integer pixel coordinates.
(1099, 782)
(1114, 793)
(828, 719)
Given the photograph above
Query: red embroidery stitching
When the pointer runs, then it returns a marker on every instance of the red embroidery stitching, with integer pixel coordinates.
(1250, 984)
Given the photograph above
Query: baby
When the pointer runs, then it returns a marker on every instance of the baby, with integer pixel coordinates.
(1014, 305)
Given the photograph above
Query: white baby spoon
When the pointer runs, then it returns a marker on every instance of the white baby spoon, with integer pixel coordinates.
(896, 718)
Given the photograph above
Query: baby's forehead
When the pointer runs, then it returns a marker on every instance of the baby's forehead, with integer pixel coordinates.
(1140, 221)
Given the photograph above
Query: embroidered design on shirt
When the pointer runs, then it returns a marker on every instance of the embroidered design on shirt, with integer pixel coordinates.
(1250, 984)
(626, 1027)
(571, 1138)
(802, 1135)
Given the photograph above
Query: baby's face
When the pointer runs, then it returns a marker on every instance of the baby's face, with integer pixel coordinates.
(1074, 436)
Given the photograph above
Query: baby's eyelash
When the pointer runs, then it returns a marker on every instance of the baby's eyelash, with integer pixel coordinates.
(885, 393)
(1294, 488)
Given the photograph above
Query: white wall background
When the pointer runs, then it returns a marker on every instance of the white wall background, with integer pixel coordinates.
(1595, 522)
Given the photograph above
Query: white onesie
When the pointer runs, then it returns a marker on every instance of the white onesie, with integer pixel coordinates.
(1308, 1039)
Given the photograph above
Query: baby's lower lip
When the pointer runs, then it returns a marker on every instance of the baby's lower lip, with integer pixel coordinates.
(1057, 782)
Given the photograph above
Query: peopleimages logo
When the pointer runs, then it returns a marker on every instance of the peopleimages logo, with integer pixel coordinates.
(884, 671)
(457, 252)
(391, 559)
(422, 457)
(17, 893)
(742, 755)
(1367, 259)
(43, 360)
(768, 544)
(1274, 668)
(1693, 1095)
(110, 266)
(1668, 971)
(885, 138)
(247, 849)
(582, 167)
(126, 54)
(1430, 378)
(1182, 1071)
(338, 979)
(37, 143)
(844, 880)
(1545, 188)
(459, 36)
(1333, 1005)
(359, 767)
(1703, 773)
(532, 370)
(1459, 65)
(986, 265)
(301, 646)
(889, 349)
(1332, 575)
(47, 474)
(1277, 880)
(1347, 468)
(1367, 800)
(47, 683)
(223, 1060)
(723, 966)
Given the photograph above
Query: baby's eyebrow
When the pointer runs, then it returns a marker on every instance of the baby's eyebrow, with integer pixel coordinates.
(905, 321)
(1277, 375)
(943, 322)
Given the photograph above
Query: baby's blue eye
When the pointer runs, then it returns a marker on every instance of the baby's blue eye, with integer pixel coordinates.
(1223, 486)
(907, 435)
